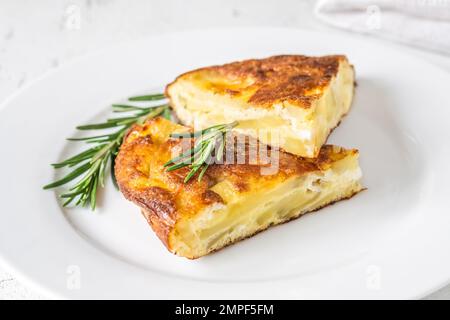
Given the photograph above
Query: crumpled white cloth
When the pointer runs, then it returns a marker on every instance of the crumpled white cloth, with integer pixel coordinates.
(421, 23)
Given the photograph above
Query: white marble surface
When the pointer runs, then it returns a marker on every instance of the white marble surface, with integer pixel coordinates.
(37, 36)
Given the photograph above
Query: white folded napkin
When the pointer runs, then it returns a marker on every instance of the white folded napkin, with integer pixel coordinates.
(422, 23)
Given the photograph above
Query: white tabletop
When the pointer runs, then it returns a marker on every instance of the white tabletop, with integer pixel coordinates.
(37, 36)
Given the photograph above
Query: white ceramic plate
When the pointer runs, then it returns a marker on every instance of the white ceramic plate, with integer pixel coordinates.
(391, 241)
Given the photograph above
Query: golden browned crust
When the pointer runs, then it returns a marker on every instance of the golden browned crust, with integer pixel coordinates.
(296, 79)
(165, 198)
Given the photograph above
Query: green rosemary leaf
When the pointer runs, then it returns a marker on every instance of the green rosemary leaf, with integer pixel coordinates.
(93, 193)
(220, 150)
(167, 114)
(126, 108)
(104, 151)
(93, 162)
(101, 175)
(98, 141)
(74, 174)
(201, 154)
(87, 154)
(177, 166)
(72, 194)
(205, 154)
(89, 138)
(200, 176)
(185, 154)
(86, 179)
(152, 97)
(191, 173)
(66, 203)
(97, 126)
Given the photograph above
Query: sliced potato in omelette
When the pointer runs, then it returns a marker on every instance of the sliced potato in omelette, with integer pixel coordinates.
(289, 101)
(232, 201)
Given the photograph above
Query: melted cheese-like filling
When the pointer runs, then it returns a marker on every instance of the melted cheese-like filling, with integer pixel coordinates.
(297, 130)
(247, 213)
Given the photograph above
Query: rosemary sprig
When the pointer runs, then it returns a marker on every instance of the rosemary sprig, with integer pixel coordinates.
(209, 145)
(90, 165)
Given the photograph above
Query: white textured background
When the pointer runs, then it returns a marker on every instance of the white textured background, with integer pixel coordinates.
(37, 36)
